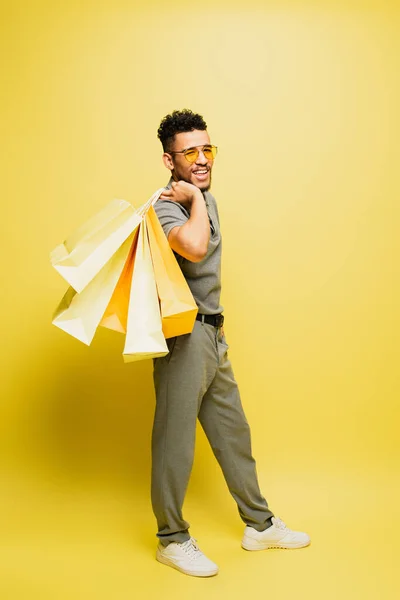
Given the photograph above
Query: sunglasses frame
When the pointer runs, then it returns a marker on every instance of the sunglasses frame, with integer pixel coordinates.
(197, 149)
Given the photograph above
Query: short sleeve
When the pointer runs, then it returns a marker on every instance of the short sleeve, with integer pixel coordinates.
(170, 214)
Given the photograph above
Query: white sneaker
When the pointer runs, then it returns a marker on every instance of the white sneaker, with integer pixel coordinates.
(187, 558)
(276, 536)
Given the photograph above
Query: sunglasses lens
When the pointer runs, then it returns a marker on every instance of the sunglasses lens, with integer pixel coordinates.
(191, 155)
(210, 152)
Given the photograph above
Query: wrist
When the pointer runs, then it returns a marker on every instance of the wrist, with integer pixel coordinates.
(197, 196)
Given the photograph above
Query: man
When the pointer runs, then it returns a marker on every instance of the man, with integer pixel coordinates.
(195, 379)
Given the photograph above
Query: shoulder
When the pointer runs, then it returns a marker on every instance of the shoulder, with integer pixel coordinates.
(170, 214)
(167, 207)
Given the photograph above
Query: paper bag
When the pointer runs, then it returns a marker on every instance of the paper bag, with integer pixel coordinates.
(85, 252)
(144, 336)
(178, 307)
(116, 314)
(80, 314)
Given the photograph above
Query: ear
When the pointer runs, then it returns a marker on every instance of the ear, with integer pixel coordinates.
(167, 160)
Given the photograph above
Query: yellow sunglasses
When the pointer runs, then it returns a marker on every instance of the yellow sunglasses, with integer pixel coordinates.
(192, 154)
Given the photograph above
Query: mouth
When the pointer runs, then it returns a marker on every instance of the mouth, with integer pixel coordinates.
(201, 174)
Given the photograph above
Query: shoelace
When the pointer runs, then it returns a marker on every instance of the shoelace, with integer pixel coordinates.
(191, 548)
(279, 524)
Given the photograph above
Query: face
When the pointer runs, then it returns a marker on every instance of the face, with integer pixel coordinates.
(197, 173)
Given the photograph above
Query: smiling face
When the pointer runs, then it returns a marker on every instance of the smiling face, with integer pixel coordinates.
(197, 173)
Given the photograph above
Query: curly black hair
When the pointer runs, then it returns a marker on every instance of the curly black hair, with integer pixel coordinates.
(177, 122)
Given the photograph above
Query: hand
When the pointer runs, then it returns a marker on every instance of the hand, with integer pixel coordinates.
(181, 192)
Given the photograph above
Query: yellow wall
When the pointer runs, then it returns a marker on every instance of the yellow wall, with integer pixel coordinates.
(302, 100)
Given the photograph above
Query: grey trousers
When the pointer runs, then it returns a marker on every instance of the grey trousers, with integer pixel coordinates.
(195, 380)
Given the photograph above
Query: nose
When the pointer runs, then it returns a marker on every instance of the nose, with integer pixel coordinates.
(201, 159)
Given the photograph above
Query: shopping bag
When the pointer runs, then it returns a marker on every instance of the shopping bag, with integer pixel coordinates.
(79, 314)
(116, 314)
(85, 252)
(144, 336)
(178, 307)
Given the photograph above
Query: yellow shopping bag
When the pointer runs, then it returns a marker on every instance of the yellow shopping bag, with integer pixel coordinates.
(85, 252)
(80, 314)
(144, 336)
(116, 314)
(178, 307)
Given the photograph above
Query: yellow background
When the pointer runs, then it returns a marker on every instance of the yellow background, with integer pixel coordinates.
(302, 100)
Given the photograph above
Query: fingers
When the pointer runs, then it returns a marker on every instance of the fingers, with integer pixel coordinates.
(166, 194)
(178, 191)
(172, 192)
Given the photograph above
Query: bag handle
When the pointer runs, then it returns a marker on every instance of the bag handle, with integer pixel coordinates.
(145, 207)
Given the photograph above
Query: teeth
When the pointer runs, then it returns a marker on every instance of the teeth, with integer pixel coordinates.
(199, 172)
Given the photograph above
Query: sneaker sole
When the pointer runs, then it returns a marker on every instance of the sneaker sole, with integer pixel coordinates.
(170, 563)
(250, 544)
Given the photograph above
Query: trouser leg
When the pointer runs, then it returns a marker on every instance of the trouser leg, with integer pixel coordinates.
(180, 379)
(226, 427)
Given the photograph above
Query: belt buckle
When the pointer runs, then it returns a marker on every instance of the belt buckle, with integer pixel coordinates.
(219, 321)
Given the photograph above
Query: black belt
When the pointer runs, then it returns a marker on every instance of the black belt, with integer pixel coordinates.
(215, 320)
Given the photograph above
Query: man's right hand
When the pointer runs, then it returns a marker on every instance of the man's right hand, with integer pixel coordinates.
(181, 192)
(191, 239)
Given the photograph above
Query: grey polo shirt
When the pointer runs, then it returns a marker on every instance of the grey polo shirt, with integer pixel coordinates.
(203, 278)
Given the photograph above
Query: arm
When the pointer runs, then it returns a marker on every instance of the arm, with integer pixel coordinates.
(191, 239)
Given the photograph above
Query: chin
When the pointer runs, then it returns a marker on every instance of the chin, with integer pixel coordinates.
(204, 187)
